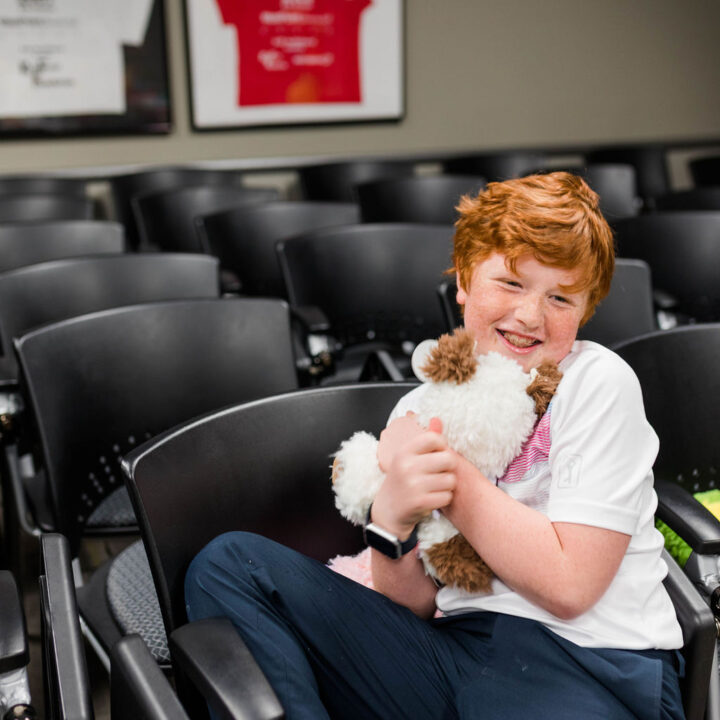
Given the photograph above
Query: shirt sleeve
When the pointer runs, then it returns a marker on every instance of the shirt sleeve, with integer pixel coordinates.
(603, 447)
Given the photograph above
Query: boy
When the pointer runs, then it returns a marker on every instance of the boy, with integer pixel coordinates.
(578, 623)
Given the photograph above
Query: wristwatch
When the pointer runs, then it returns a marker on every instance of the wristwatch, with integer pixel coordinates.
(384, 541)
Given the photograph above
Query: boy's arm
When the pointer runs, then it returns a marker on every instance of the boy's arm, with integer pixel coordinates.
(419, 478)
(562, 567)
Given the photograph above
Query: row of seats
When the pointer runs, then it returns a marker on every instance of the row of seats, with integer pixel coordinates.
(225, 471)
(336, 180)
(96, 387)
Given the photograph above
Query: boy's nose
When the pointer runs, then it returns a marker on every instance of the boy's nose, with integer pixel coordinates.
(529, 311)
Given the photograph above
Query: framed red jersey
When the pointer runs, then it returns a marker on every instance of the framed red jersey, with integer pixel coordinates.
(278, 62)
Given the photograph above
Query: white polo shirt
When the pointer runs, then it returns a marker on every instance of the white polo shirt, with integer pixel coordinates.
(589, 461)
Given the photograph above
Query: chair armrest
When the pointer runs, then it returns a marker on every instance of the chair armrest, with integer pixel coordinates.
(699, 634)
(138, 687)
(695, 524)
(14, 653)
(312, 318)
(216, 660)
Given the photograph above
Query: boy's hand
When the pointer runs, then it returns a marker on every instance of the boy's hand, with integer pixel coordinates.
(394, 436)
(420, 477)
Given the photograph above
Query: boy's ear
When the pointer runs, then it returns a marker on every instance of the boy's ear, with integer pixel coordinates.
(461, 296)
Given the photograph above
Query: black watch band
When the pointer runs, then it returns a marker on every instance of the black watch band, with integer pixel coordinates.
(384, 541)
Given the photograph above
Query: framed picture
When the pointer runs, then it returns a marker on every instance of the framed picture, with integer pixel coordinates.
(81, 67)
(281, 62)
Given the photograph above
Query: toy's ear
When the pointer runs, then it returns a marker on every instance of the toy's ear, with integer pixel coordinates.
(420, 357)
(452, 359)
(545, 379)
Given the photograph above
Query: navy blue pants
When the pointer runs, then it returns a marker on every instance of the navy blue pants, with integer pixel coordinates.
(334, 649)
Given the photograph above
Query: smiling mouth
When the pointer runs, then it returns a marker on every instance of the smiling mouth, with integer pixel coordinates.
(519, 341)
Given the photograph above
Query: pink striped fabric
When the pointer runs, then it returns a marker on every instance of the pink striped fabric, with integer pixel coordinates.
(536, 449)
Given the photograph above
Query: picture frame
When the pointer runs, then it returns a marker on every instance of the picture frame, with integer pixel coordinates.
(256, 63)
(84, 68)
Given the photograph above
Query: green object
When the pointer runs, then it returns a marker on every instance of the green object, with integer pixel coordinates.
(674, 544)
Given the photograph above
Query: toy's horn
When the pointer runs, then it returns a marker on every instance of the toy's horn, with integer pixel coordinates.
(452, 359)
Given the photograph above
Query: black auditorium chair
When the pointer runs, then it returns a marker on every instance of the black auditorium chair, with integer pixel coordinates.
(226, 472)
(27, 243)
(705, 171)
(166, 218)
(47, 292)
(138, 687)
(683, 252)
(43, 185)
(616, 185)
(66, 682)
(680, 380)
(100, 384)
(16, 699)
(423, 199)
(257, 472)
(370, 288)
(626, 312)
(336, 181)
(650, 163)
(244, 238)
(124, 187)
(700, 198)
(495, 165)
(34, 207)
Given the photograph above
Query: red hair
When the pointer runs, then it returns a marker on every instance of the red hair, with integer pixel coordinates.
(555, 217)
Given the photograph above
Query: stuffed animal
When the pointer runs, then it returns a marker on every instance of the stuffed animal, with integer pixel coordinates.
(488, 407)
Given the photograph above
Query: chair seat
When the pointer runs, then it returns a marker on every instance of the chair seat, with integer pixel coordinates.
(134, 602)
(115, 511)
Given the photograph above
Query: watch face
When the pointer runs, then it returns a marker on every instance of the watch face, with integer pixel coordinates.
(382, 541)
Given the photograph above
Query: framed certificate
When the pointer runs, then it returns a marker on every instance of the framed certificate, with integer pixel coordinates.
(82, 66)
(280, 62)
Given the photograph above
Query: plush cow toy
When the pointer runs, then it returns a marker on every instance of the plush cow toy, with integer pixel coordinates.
(488, 407)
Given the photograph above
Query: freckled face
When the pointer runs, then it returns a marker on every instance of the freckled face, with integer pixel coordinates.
(525, 315)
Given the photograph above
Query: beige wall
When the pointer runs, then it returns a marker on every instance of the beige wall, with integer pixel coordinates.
(479, 74)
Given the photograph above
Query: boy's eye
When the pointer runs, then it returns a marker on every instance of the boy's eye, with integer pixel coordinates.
(512, 283)
(561, 299)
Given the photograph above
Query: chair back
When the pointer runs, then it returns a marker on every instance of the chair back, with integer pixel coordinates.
(65, 673)
(700, 198)
(125, 187)
(49, 292)
(100, 384)
(34, 207)
(34, 242)
(262, 467)
(705, 171)
(495, 166)
(166, 219)
(680, 380)
(430, 199)
(336, 181)
(42, 185)
(616, 185)
(244, 238)
(649, 161)
(683, 252)
(373, 282)
(626, 312)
